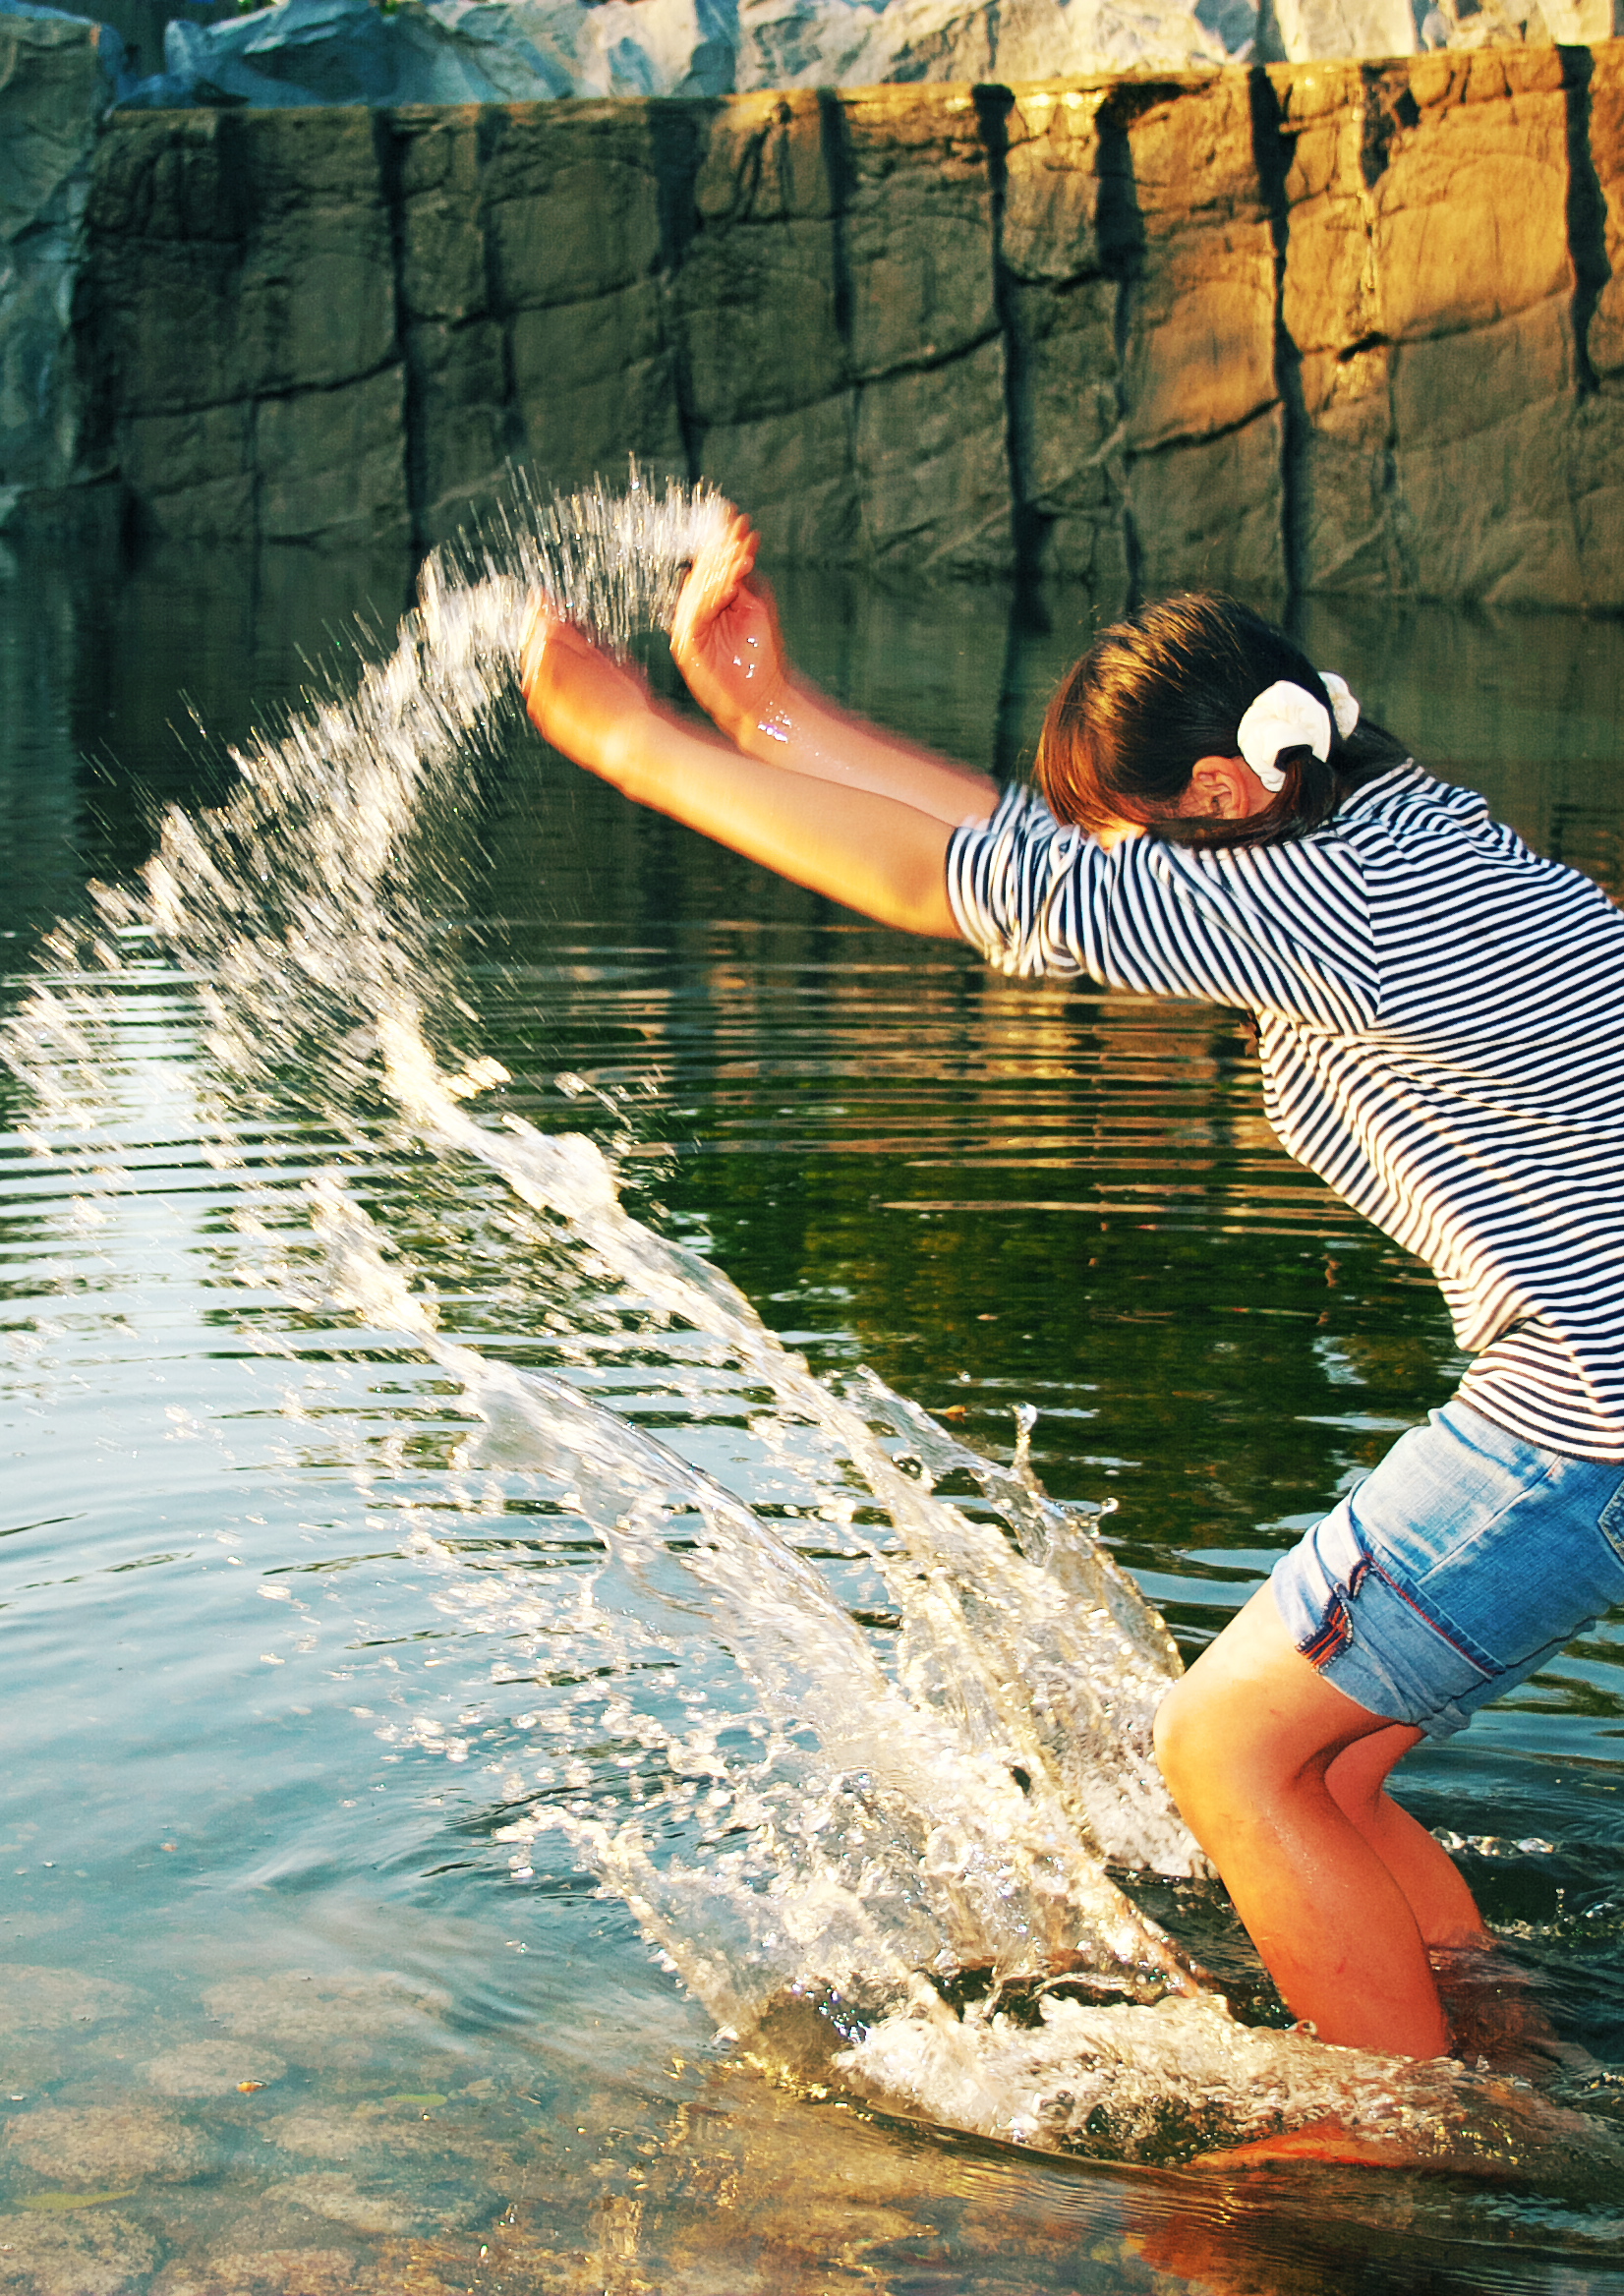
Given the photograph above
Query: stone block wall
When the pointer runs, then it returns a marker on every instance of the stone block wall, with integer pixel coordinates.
(1457, 440)
(239, 327)
(52, 87)
(1349, 327)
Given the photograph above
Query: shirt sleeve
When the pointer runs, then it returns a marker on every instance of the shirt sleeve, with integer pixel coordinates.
(1271, 929)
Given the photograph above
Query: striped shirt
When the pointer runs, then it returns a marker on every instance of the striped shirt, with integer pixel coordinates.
(1438, 1014)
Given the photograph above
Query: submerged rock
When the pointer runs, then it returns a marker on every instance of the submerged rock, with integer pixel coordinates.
(270, 2272)
(315, 2021)
(213, 2068)
(44, 2000)
(338, 2197)
(94, 2254)
(496, 51)
(105, 2145)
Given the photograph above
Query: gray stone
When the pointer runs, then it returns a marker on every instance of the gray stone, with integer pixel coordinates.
(53, 87)
(246, 373)
(327, 464)
(799, 475)
(932, 477)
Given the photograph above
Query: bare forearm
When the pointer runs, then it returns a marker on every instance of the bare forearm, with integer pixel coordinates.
(869, 849)
(801, 731)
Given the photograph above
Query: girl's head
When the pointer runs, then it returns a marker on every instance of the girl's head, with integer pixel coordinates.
(1142, 730)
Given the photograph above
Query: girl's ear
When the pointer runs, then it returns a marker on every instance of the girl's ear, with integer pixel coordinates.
(1223, 789)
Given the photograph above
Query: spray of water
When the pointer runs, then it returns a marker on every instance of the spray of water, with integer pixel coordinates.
(832, 1860)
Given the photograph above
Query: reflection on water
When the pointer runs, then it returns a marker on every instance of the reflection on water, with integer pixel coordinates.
(294, 1658)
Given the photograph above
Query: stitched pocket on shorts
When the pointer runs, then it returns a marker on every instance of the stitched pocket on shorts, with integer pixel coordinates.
(1336, 1632)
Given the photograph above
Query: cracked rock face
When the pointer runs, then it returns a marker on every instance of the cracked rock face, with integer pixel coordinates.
(1340, 327)
(53, 87)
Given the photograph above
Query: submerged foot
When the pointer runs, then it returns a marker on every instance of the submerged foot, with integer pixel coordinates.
(1327, 2139)
(1499, 2022)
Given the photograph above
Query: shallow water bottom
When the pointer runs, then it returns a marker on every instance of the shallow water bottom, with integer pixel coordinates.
(345, 2126)
(276, 2013)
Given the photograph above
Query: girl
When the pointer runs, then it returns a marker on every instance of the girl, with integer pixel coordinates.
(1435, 1009)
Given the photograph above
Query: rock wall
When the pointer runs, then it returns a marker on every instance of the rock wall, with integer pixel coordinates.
(1326, 327)
(51, 92)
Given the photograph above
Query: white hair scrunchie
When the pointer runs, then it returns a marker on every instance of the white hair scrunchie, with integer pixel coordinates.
(1286, 716)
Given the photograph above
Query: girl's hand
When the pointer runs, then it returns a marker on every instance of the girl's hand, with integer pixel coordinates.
(579, 698)
(726, 637)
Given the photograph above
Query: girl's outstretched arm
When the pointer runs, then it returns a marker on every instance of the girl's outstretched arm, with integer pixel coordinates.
(871, 852)
(727, 643)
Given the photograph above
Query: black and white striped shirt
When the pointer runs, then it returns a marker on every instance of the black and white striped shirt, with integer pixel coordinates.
(1439, 1018)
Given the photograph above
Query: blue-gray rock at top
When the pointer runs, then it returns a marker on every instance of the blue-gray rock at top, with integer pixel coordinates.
(505, 51)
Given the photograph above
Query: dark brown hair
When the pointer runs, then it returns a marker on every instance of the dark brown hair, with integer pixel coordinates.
(1170, 685)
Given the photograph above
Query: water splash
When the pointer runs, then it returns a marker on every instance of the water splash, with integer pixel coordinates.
(849, 1838)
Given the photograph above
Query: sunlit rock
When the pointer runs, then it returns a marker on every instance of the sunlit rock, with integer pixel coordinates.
(1430, 288)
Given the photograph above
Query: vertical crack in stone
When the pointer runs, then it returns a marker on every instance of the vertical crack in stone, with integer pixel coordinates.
(1272, 153)
(1121, 229)
(993, 106)
(1382, 115)
(840, 168)
(1586, 213)
(677, 135)
(389, 145)
(492, 125)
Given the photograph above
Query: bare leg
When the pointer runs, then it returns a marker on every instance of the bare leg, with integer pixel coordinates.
(1445, 1911)
(1246, 1741)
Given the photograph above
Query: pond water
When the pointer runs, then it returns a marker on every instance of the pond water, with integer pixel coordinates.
(320, 1971)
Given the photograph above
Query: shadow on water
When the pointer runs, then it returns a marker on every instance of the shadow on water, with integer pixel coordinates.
(286, 2007)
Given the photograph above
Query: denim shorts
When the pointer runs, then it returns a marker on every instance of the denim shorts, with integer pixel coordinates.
(1459, 1566)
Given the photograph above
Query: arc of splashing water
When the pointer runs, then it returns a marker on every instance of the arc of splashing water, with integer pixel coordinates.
(806, 1657)
(1082, 1633)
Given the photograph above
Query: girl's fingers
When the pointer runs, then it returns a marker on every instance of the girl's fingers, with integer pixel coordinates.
(721, 566)
(550, 633)
(541, 627)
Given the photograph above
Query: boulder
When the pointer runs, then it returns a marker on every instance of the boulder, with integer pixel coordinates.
(496, 51)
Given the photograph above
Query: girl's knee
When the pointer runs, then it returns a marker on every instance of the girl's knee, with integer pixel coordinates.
(1183, 1736)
